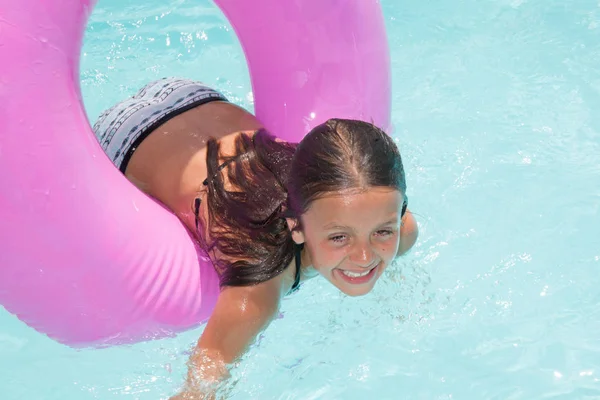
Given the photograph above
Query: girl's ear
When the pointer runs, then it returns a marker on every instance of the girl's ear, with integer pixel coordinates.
(297, 234)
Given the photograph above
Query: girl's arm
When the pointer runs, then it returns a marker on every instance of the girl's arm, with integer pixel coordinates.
(240, 314)
(408, 233)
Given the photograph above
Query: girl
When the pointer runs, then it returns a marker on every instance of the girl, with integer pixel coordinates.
(269, 214)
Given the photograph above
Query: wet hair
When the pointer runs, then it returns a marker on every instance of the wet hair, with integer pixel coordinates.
(269, 181)
(342, 155)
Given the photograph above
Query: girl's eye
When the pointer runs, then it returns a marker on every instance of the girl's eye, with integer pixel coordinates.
(385, 232)
(338, 238)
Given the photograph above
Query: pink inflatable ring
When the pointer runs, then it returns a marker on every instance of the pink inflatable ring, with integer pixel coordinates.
(85, 257)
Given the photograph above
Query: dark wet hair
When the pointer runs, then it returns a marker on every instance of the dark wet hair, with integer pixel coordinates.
(270, 180)
(343, 155)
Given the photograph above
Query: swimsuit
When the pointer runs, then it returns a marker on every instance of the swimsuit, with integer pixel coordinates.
(122, 128)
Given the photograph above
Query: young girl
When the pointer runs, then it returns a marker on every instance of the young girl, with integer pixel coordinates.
(269, 214)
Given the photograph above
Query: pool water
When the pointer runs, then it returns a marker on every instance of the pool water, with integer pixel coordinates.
(495, 109)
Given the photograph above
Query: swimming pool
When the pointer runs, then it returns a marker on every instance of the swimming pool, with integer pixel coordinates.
(495, 113)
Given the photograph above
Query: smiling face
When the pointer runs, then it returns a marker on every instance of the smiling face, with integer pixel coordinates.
(351, 238)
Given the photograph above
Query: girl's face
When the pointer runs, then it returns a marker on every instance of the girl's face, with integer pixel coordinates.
(350, 238)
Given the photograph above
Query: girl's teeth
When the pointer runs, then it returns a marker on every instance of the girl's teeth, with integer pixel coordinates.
(355, 274)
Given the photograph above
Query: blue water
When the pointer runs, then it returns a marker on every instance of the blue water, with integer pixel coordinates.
(495, 108)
